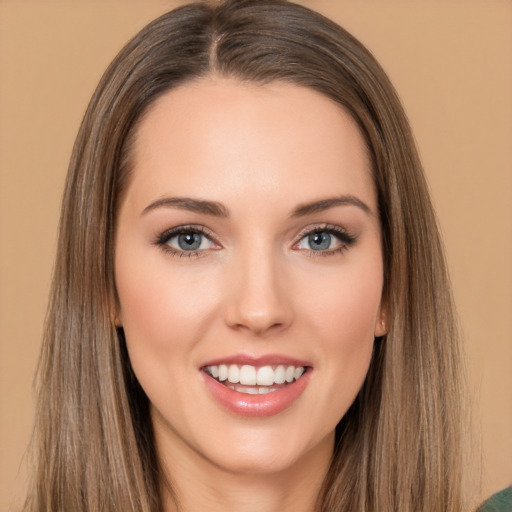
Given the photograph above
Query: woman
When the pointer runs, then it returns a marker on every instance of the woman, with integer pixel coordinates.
(245, 196)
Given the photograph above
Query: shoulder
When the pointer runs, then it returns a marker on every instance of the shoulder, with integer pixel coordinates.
(499, 502)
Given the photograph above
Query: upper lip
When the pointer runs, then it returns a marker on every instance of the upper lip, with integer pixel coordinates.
(263, 360)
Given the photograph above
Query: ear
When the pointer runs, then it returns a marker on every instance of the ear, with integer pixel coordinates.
(115, 313)
(381, 325)
(117, 319)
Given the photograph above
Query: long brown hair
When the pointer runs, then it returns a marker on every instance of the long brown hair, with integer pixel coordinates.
(398, 447)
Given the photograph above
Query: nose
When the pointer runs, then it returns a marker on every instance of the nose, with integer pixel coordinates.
(259, 298)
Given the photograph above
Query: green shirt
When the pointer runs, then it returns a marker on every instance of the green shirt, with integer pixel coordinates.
(499, 502)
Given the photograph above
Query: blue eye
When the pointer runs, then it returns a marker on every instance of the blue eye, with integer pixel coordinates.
(184, 240)
(329, 240)
(320, 241)
(188, 241)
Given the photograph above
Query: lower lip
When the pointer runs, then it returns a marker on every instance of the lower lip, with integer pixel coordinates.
(269, 404)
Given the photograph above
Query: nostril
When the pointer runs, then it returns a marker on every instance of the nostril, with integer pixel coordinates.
(258, 326)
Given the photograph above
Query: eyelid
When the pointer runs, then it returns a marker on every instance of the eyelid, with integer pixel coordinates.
(344, 236)
(163, 238)
(185, 228)
(315, 228)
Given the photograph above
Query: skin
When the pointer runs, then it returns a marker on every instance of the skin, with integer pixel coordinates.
(255, 286)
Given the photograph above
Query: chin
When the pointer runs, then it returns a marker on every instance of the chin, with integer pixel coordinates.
(256, 463)
(266, 453)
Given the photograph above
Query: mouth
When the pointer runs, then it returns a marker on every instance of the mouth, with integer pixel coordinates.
(255, 380)
(256, 387)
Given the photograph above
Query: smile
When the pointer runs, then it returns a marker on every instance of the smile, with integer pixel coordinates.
(255, 380)
(256, 387)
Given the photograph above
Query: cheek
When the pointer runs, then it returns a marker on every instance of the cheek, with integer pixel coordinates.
(158, 303)
(346, 323)
(345, 304)
(164, 314)
(160, 308)
(349, 316)
(342, 310)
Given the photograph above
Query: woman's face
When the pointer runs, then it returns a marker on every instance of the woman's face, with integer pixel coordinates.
(248, 265)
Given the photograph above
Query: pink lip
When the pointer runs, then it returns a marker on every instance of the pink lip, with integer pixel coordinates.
(269, 404)
(268, 359)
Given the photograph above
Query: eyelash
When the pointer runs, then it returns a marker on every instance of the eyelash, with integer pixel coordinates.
(345, 238)
(162, 241)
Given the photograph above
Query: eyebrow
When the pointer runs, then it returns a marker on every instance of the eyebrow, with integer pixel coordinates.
(192, 205)
(216, 209)
(330, 202)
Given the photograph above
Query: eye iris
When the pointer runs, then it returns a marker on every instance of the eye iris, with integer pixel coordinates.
(319, 241)
(189, 241)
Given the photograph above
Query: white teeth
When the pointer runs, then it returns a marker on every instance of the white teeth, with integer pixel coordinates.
(265, 376)
(223, 372)
(234, 374)
(251, 390)
(298, 372)
(248, 375)
(280, 375)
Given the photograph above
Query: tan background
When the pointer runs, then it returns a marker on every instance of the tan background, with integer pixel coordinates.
(451, 62)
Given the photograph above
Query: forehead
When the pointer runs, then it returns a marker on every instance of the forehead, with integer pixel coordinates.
(222, 136)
